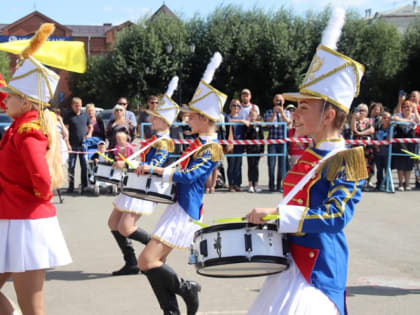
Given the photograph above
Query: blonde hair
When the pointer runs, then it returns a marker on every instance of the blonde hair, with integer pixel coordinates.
(90, 105)
(48, 122)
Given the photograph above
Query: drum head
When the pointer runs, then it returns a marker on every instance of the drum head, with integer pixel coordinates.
(241, 267)
(134, 193)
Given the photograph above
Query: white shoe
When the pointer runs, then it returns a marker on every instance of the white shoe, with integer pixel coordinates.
(401, 188)
(257, 189)
(251, 189)
(408, 188)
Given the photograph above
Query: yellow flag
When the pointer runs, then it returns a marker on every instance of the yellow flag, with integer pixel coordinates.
(67, 55)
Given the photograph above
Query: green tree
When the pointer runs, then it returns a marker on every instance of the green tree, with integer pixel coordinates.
(5, 65)
(411, 49)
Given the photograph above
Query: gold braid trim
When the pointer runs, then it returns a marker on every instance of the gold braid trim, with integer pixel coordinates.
(164, 144)
(215, 149)
(28, 126)
(351, 161)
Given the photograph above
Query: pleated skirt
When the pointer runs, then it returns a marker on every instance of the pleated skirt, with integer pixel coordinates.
(32, 245)
(125, 203)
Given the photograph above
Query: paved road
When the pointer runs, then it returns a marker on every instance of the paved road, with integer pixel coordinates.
(384, 273)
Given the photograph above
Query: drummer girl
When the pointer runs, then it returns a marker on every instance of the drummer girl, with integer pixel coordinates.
(176, 226)
(31, 240)
(317, 214)
(128, 210)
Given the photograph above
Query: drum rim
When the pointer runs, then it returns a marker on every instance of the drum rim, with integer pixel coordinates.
(107, 179)
(234, 226)
(133, 170)
(168, 201)
(242, 259)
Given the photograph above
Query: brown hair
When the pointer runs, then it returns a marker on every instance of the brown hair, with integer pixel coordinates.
(151, 97)
(340, 116)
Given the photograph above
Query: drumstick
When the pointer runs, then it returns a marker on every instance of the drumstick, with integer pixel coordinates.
(105, 157)
(126, 161)
(413, 155)
(200, 223)
(242, 219)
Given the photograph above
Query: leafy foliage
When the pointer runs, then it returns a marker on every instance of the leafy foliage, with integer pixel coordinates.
(265, 51)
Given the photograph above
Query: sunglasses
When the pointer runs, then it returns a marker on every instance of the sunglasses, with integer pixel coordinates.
(154, 102)
(405, 106)
(122, 104)
(118, 110)
(236, 105)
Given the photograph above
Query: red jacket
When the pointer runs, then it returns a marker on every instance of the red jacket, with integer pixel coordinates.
(25, 181)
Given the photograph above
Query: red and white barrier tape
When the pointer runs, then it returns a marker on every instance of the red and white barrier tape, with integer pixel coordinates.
(285, 140)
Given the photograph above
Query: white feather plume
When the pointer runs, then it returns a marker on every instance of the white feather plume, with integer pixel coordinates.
(172, 86)
(332, 32)
(215, 62)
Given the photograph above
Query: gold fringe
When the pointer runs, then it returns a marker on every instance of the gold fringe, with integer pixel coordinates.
(351, 161)
(215, 149)
(39, 38)
(28, 126)
(164, 144)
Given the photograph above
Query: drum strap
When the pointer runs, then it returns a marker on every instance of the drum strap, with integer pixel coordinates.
(137, 153)
(186, 156)
(307, 177)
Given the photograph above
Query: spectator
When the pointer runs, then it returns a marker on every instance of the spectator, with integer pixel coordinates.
(246, 105)
(254, 131)
(375, 113)
(277, 114)
(122, 146)
(119, 124)
(147, 132)
(381, 151)
(234, 170)
(362, 128)
(415, 98)
(129, 115)
(80, 128)
(96, 121)
(404, 164)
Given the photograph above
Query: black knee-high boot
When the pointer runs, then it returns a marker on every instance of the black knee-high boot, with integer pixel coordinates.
(130, 267)
(166, 298)
(188, 290)
(140, 235)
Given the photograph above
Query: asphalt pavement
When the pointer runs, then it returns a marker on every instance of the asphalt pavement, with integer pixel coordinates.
(384, 255)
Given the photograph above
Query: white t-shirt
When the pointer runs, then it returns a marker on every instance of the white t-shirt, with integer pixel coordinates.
(244, 112)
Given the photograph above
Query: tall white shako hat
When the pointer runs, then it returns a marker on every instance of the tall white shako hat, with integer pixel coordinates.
(167, 109)
(207, 100)
(32, 80)
(332, 76)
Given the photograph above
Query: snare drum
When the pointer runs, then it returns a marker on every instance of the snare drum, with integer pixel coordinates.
(239, 250)
(149, 187)
(106, 173)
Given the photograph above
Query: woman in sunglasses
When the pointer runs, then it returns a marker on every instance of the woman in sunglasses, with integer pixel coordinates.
(119, 124)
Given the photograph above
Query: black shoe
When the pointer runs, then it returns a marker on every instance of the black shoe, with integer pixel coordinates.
(69, 191)
(189, 292)
(86, 191)
(127, 270)
(272, 189)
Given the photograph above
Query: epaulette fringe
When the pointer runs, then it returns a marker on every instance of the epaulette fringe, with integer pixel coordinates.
(351, 161)
(164, 144)
(215, 149)
(28, 126)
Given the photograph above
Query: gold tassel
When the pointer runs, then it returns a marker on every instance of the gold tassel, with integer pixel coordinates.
(164, 144)
(351, 161)
(39, 38)
(215, 149)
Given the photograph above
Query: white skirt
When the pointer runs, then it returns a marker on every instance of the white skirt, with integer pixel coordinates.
(175, 227)
(287, 293)
(32, 245)
(125, 203)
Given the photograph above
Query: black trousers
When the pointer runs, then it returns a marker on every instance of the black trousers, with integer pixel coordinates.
(253, 169)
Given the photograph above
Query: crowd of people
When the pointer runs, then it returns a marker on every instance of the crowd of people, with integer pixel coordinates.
(83, 130)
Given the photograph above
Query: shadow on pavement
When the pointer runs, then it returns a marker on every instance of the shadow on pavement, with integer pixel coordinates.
(379, 290)
(74, 275)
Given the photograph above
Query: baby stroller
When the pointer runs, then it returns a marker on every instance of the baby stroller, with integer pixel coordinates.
(93, 156)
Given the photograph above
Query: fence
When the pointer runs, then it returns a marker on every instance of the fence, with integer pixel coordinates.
(389, 185)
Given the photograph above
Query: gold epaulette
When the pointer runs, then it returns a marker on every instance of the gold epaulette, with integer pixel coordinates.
(164, 144)
(351, 162)
(215, 149)
(28, 126)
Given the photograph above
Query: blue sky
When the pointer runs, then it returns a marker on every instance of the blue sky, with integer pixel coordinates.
(97, 12)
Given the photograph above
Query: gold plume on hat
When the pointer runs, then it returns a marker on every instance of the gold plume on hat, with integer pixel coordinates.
(38, 39)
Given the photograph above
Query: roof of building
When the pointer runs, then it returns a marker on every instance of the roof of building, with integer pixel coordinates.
(90, 30)
(407, 10)
(165, 11)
